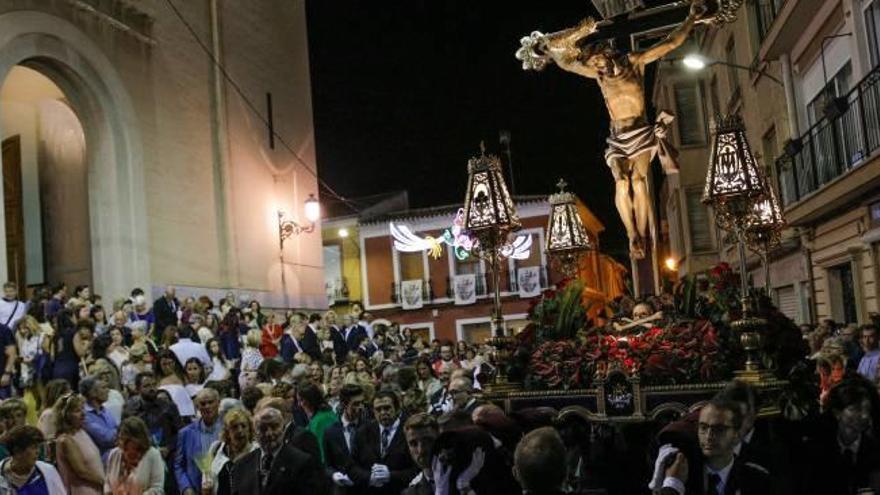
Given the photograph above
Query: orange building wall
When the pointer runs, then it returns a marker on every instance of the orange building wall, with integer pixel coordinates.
(380, 270)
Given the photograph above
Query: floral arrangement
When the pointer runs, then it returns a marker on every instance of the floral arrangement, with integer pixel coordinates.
(693, 343)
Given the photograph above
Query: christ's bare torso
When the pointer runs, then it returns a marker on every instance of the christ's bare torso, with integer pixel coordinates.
(625, 97)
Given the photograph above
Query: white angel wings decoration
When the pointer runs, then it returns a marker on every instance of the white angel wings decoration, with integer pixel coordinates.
(461, 244)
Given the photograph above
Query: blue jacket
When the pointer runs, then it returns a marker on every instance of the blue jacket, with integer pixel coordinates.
(192, 442)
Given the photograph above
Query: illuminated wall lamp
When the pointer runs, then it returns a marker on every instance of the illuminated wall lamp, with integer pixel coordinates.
(287, 228)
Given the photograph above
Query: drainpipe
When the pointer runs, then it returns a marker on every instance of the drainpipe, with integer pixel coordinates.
(790, 103)
(806, 249)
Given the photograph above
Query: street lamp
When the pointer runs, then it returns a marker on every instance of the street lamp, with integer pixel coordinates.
(734, 187)
(288, 228)
(697, 62)
(567, 239)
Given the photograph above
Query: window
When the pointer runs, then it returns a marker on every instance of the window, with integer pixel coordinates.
(698, 218)
(689, 109)
(838, 85)
(732, 74)
(768, 149)
(333, 282)
(475, 333)
(713, 91)
(841, 292)
(787, 302)
(471, 266)
(872, 23)
(412, 266)
(424, 331)
(535, 259)
(874, 210)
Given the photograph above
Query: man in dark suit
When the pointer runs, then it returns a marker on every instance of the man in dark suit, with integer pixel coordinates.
(294, 434)
(539, 462)
(275, 468)
(353, 333)
(339, 438)
(340, 349)
(165, 310)
(421, 434)
(383, 465)
(721, 473)
(309, 341)
(461, 389)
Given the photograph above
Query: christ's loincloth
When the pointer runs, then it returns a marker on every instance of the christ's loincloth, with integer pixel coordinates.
(628, 144)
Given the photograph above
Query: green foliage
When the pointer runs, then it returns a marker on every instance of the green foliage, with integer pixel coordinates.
(560, 313)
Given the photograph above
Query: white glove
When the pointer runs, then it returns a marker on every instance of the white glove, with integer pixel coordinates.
(471, 472)
(441, 476)
(664, 457)
(341, 479)
(380, 475)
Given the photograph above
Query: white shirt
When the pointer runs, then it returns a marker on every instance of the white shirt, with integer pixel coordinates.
(349, 435)
(11, 311)
(368, 327)
(392, 430)
(723, 473)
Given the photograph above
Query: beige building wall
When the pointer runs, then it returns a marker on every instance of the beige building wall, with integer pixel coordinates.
(183, 184)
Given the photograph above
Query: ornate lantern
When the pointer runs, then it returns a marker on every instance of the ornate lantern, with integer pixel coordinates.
(733, 182)
(765, 229)
(567, 238)
(488, 206)
(736, 188)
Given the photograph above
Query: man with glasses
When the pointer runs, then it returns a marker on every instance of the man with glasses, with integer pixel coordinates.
(718, 471)
(461, 389)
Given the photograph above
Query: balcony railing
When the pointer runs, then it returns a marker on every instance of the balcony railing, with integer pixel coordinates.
(847, 134)
(337, 290)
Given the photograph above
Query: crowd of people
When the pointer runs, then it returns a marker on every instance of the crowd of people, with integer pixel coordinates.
(195, 397)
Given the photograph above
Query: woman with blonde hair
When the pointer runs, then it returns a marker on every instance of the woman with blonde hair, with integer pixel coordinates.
(78, 458)
(134, 467)
(29, 340)
(236, 440)
(251, 358)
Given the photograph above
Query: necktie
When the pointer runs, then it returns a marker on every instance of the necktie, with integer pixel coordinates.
(349, 435)
(386, 440)
(712, 488)
(265, 467)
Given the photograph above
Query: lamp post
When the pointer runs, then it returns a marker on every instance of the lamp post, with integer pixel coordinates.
(734, 185)
(567, 239)
(490, 217)
(697, 62)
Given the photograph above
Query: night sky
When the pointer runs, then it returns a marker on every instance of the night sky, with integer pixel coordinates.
(404, 91)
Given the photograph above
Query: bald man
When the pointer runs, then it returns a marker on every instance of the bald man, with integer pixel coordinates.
(276, 468)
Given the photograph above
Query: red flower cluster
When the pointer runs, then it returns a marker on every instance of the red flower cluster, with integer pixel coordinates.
(682, 353)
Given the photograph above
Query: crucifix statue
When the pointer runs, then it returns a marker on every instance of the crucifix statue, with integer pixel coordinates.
(633, 142)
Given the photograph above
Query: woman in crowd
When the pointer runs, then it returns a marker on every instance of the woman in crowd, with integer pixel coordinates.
(311, 398)
(229, 333)
(117, 352)
(134, 467)
(138, 336)
(171, 380)
(137, 363)
(22, 473)
(100, 346)
(236, 440)
(204, 333)
(79, 460)
(250, 358)
(29, 340)
(195, 376)
(99, 316)
(170, 336)
(406, 337)
(220, 367)
(59, 347)
(81, 297)
(429, 384)
(316, 375)
(271, 337)
(104, 371)
(55, 389)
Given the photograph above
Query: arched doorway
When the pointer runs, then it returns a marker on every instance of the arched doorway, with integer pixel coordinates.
(94, 91)
(45, 183)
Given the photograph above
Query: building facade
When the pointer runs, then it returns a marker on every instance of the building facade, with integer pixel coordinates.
(801, 75)
(130, 160)
(446, 297)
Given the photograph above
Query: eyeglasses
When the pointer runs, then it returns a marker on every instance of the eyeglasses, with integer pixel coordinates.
(714, 429)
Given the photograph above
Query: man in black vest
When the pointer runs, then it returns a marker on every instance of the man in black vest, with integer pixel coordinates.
(275, 468)
(383, 465)
(165, 310)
